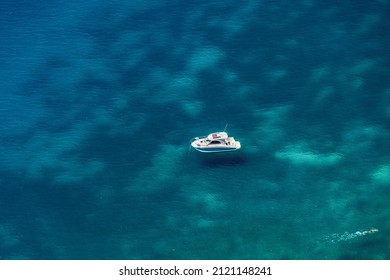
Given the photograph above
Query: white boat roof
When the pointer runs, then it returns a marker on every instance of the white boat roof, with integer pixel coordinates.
(217, 135)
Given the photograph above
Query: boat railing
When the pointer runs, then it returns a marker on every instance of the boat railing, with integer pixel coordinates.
(197, 138)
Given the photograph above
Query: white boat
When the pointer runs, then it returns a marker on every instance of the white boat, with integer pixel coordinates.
(215, 143)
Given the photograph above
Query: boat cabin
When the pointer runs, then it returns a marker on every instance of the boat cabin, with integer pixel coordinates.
(217, 135)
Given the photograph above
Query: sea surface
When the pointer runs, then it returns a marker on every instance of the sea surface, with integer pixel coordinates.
(99, 101)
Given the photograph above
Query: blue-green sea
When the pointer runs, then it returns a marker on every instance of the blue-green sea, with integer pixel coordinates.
(99, 101)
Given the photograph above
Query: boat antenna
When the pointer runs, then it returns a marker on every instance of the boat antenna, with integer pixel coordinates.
(225, 127)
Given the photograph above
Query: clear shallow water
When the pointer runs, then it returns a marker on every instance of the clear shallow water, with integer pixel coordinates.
(99, 103)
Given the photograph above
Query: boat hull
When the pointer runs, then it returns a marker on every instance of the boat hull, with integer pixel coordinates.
(197, 145)
(215, 150)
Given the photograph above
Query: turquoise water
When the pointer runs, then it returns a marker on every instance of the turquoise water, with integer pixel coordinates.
(99, 102)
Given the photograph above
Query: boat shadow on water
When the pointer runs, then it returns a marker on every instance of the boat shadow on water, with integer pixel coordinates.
(216, 160)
